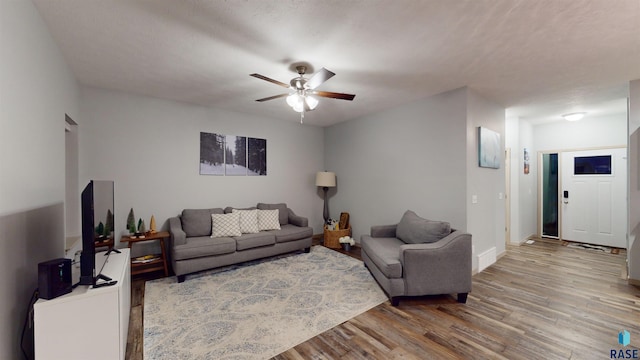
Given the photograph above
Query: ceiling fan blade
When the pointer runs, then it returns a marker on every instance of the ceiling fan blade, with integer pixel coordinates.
(334, 95)
(319, 77)
(272, 97)
(270, 80)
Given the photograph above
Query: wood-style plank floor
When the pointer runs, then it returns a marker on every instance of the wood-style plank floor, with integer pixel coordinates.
(539, 301)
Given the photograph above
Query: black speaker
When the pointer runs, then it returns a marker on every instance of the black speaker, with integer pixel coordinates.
(54, 278)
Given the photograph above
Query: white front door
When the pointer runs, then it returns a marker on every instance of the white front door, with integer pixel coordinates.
(594, 188)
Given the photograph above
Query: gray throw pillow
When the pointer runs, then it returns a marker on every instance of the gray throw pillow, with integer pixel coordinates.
(197, 222)
(282, 208)
(412, 229)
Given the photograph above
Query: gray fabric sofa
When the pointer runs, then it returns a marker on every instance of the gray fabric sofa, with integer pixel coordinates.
(418, 257)
(192, 248)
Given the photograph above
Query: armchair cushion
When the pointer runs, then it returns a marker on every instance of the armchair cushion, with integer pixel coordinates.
(384, 230)
(384, 253)
(413, 229)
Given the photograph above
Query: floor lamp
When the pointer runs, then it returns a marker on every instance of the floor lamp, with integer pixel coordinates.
(325, 180)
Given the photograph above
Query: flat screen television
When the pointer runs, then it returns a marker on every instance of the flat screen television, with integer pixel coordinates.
(97, 227)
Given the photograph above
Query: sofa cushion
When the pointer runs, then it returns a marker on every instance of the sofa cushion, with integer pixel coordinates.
(282, 209)
(248, 221)
(225, 225)
(249, 241)
(268, 220)
(413, 229)
(229, 209)
(384, 253)
(197, 222)
(291, 233)
(204, 246)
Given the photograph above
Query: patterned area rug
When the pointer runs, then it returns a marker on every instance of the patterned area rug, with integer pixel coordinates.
(256, 310)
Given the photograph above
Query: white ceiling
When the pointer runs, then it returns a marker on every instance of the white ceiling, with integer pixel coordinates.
(539, 59)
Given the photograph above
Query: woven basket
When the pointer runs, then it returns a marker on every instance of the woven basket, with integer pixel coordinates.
(331, 237)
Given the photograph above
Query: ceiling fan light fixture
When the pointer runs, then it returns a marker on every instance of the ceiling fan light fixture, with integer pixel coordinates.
(574, 116)
(301, 89)
(311, 102)
(299, 105)
(292, 99)
(297, 101)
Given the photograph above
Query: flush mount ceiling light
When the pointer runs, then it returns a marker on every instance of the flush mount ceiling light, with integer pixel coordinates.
(574, 116)
(302, 97)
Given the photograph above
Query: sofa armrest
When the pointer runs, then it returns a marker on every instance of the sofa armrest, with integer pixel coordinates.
(384, 230)
(440, 267)
(178, 236)
(297, 220)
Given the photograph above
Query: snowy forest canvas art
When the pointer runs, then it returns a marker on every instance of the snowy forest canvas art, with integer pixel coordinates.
(232, 155)
(257, 156)
(235, 155)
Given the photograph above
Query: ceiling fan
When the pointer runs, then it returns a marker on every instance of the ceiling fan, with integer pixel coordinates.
(302, 91)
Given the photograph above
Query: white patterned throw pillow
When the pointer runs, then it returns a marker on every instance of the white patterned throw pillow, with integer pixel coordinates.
(248, 221)
(269, 219)
(225, 225)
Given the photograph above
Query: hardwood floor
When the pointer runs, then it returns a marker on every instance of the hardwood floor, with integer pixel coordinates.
(539, 301)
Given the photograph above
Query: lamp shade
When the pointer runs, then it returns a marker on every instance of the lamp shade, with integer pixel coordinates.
(325, 179)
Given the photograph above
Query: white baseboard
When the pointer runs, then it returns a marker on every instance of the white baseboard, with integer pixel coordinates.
(486, 258)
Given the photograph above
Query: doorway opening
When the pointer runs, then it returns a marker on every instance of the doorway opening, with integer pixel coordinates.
(550, 214)
(72, 192)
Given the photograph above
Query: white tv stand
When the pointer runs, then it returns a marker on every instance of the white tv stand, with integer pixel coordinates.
(87, 323)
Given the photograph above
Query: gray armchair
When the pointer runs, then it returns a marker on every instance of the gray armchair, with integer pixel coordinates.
(418, 257)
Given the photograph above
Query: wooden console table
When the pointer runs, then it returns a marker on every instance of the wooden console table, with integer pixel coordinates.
(155, 265)
(106, 242)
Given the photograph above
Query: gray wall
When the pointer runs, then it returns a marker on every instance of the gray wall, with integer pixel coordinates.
(528, 193)
(36, 90)
(150, 148)
(486, 218)
(590, 132)
(409, 157)
(523, 199)
(421, 156)
(633, 253)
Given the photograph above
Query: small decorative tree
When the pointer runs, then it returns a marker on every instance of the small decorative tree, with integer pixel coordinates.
(141, 227)
(100, 229)
(152, 224)
(131, 222)
(108, 226)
